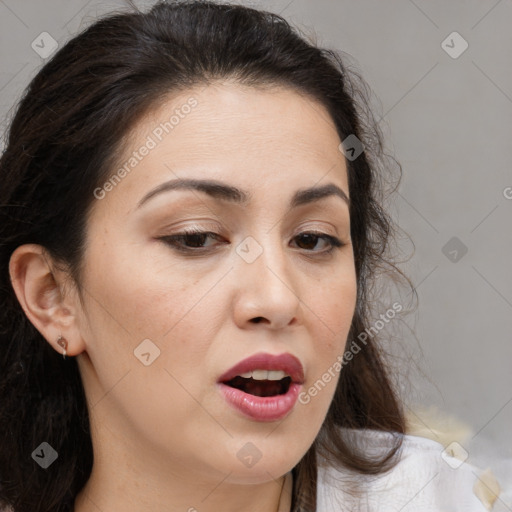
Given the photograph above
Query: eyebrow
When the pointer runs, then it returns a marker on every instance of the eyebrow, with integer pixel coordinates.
(225, 192)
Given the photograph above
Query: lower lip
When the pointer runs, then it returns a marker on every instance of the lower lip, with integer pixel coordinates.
(262, 408)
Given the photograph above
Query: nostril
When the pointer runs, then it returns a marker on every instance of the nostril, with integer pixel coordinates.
(257, 319)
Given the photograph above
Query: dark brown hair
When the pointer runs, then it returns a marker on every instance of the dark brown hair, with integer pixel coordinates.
(61, 144)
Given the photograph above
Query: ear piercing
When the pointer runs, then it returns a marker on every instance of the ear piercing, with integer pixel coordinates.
(64, 344)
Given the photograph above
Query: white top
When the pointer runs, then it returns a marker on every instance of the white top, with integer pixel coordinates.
(426, 479)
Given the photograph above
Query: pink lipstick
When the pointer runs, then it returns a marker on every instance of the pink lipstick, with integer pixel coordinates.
(263, 387)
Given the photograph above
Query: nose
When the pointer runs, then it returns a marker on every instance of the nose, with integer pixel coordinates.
(266, 290)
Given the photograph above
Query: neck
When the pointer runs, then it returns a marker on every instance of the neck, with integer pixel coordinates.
(110, 494)
(131, 484)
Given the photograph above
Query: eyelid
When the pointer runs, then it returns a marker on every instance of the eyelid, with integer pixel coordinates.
(328, 228)
(198, 225)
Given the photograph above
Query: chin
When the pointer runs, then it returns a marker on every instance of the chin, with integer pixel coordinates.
(261, 460)
(260, 473)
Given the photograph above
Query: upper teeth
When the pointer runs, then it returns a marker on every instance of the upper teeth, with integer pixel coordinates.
(264, 375)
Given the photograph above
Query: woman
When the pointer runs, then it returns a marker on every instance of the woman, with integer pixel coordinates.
(191, 227)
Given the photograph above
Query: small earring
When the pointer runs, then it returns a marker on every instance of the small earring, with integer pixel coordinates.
(64, 344)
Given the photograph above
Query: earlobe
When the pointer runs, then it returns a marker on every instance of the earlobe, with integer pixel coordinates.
(40, 294)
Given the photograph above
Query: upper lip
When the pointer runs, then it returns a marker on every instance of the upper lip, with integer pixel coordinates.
(262, 361)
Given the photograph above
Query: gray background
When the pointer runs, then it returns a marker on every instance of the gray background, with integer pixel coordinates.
(448, 121)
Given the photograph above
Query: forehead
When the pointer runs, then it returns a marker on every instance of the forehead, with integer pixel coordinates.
(251, 136)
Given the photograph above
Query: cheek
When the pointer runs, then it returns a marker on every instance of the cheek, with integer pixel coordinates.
(332, 311)
(129, 303)
(132, 293)
(128, 306)
(333, 306)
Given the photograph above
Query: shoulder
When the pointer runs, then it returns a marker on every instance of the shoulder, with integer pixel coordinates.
(427, 478)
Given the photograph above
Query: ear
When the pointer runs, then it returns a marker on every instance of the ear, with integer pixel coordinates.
(50, 306)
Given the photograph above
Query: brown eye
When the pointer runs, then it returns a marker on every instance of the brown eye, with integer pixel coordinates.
(193, 241)
(190, 240)
(310, 239)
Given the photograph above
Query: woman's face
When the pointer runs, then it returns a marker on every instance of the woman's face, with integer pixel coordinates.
(164, 319)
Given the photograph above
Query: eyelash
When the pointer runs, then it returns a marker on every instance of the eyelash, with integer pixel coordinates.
(173, 240)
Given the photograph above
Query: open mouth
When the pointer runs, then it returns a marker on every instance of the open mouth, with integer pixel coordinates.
(260, 387)
(263, 387)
